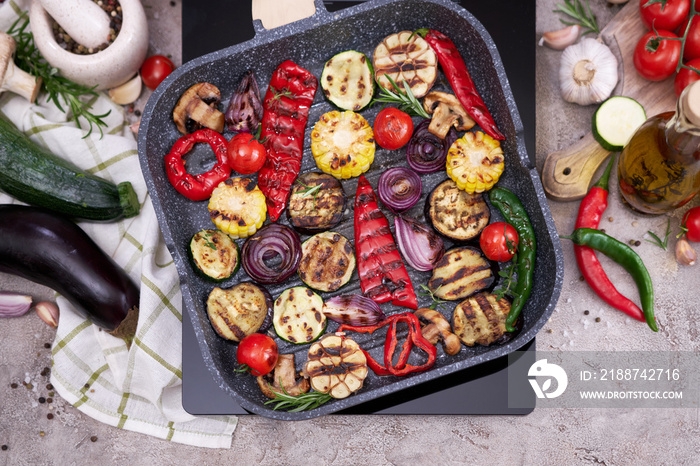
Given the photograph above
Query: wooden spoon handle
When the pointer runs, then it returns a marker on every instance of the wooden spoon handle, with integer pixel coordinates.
(275, 13)
(567, 173)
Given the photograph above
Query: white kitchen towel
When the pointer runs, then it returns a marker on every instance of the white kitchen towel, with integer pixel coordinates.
(138, 388)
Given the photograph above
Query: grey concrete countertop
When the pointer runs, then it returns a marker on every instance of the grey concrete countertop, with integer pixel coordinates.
(546, 436)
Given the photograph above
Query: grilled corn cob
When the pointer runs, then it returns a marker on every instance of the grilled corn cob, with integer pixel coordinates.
(475, 162)
(237, 207)
(342, 144)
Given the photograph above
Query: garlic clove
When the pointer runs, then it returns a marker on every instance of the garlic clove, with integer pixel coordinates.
(561, 39)
(685, 254)
(14, 304)
(128, 92)
(48, 312)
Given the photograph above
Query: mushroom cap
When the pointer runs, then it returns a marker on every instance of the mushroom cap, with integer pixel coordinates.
(447, 111)
(198, 104)
(7, 50)
(284, 371)
(436, 322)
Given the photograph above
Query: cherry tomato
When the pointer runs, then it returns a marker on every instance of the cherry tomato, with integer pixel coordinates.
(691, 224)
(686, 76)
(155, 69)
(392, 128)
(663, 15)
(499, 241)
(656, 58)
(258, 352)
(246, 154)
(692, 40)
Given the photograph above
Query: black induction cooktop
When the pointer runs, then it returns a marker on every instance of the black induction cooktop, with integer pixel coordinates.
(215, 24)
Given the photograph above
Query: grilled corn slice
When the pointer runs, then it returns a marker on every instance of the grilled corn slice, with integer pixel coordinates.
(342, 144)
(237, 207)
(475, 162)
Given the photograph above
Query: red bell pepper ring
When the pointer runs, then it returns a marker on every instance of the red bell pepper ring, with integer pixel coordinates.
(383, 275)
(285, 112)
(461, 81)
(197, 187)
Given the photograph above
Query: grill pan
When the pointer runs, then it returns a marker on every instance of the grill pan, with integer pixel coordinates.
(309, 43)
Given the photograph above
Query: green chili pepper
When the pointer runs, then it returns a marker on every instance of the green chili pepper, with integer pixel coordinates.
(627, 258)
(514, 213)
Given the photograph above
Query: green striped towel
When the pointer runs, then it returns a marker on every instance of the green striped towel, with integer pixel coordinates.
(140, 388)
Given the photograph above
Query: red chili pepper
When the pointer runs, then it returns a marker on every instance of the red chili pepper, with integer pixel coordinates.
(589, 214)
(197, 187)
(456, 71)
(383, 275)
(286, 110)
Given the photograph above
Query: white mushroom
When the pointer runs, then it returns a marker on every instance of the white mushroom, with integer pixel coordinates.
(446, 112)
(14, 79)
(197, 108)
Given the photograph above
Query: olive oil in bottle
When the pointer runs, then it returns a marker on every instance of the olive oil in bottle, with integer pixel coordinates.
(659, 168)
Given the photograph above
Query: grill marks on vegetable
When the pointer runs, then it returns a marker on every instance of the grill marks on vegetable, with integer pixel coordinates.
(327, 261)
(481, 319)
(456, 214)
(460, 273)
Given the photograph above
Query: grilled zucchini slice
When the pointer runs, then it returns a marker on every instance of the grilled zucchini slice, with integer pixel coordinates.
(239, 311)
(336, 365)
(237, 207)
(475, 162)
(298, 315)
(316, 203)
(461, 272)
(327, 261)
(405, 56)
(348, 80)
(342, 144)
(214, 254)
(456, 214)
(480, 319)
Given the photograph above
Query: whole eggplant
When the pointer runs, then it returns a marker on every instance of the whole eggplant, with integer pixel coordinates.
(52, 250)
(245, 109)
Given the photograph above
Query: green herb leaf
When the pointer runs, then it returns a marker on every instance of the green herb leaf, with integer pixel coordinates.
(663, 244)
(211, 244)
(404, 98)
(583, 16)
(436, 302)
(508, 274)
(297, 403)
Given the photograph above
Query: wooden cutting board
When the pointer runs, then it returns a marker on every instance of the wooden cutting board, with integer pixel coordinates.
(275, 13)
(567, 173)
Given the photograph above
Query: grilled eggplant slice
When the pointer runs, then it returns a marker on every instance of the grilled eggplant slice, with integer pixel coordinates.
(456, 214)
(327, 261)
(336, 365)
(239, 311)
(348, 80)
(461, 272)
(405, 56)
(316, 203)
(214, 254)
(298, 315)
(480, 319)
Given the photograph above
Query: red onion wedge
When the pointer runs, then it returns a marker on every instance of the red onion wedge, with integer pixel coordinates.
(419, 245)
(272, 254)
(427, 153)
(14, 304)
(353, 309)
(399, 188)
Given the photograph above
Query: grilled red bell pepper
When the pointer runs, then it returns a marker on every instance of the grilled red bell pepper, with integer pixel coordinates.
(197, 187)
(456, 71)
(383, 275)
(285, 112)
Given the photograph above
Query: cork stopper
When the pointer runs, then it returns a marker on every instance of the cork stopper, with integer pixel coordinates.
(691, 103)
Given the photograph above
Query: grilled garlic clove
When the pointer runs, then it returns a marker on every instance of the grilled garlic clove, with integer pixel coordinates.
(48, 312)
(14, 304)
(559, 40)
(685, 254)
(588, 72)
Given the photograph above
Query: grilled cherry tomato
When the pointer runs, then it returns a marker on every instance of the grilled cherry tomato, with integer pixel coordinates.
(499, 241)
(392, 128)
(668, 14)
(691, 224)
(246, 154)
(257, 353)
(155, 69)
(686, 76)
(655, 58)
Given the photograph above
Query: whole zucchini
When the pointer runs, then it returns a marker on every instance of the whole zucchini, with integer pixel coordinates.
(51, 250)
(33, 175)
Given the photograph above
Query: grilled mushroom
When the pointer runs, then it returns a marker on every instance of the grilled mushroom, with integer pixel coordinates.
(283, 378)
(446, 112)
(197, 109)
(436, 328)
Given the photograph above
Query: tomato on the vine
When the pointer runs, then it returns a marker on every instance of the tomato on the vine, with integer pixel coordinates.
(155, 69)
(686, 76)
(257, 353)
(663, 14)
(499, 241)
(392, 128)
(691, 224)
(692, 41)
(246, 154)
(656, 57)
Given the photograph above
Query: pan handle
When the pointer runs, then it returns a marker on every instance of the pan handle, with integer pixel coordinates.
(271, 14)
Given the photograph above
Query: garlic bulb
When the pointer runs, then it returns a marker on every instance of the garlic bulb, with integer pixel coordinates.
(588, 72)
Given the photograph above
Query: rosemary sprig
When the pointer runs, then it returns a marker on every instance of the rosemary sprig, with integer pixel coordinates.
(406, 100)
(583, 16)
(437, 302)
(663, 244)
(59, 88)
(509, 280)
(309, 190)
(207, 238)
(301, 402)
